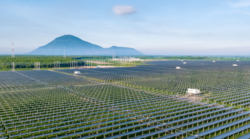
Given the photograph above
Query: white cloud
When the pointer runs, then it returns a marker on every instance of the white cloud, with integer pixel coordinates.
(124, 10)
(241, 3)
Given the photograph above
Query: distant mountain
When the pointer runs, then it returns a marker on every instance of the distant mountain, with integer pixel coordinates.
(123, 50)
(75, 46)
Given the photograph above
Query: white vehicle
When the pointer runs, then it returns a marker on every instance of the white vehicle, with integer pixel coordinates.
(178, 67)
(77, 72)
(193, 91)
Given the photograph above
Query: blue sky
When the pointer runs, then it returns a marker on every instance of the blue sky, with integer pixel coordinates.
(163, 27)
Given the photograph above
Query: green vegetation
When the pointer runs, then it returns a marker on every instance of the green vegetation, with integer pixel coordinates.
(47, 62)
(27, 62)
(23, 62)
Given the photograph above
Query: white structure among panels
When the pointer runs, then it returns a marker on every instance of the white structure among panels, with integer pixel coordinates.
(77, 72)
(193, 91)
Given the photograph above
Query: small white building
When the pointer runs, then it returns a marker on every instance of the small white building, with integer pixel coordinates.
(178, 67)
(127, 59)
(235, 65)
(184, 62)
(193, 91)
(77, 72)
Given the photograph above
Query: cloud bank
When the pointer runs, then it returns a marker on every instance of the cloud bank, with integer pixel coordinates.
(124, 10)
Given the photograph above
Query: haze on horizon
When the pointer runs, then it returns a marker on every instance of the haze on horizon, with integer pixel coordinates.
(161, 27)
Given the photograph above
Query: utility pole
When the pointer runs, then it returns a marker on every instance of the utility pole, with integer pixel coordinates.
(12, 51)
(13, 66)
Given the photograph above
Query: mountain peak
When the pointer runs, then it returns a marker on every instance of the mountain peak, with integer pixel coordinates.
(67, 37)
(124, 50)
(118, 47)
(73, 45)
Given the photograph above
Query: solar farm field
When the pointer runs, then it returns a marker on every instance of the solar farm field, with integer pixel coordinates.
(147, 101)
